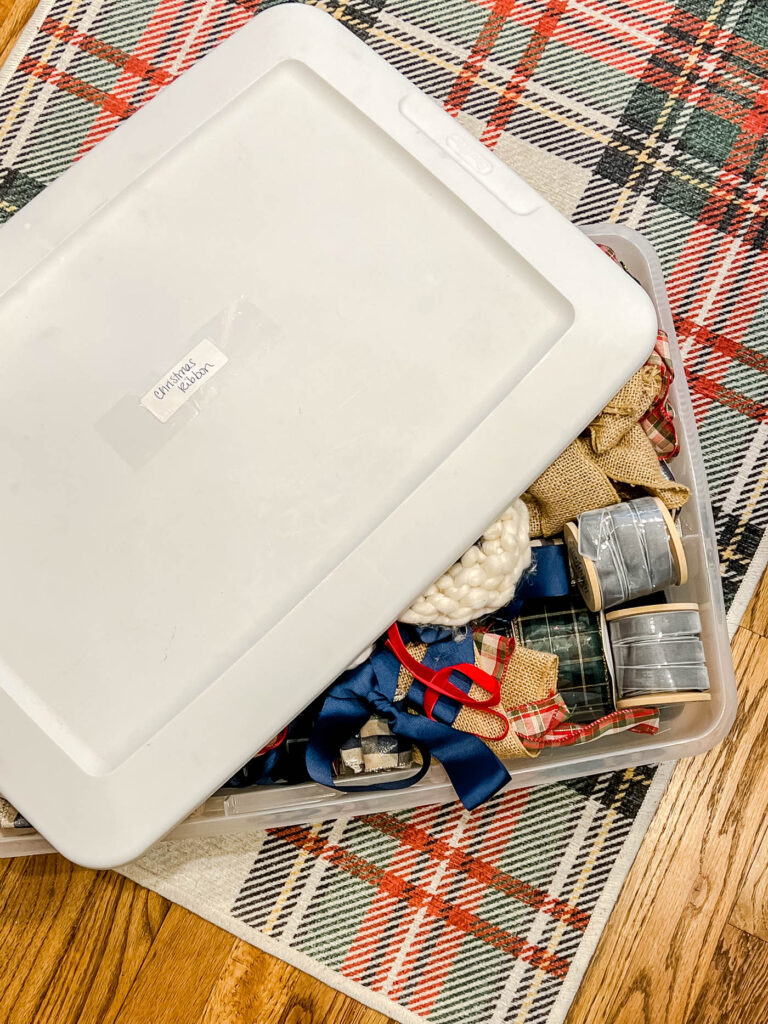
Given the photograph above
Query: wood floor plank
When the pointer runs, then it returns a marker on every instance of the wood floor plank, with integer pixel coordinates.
(756, 616)
(750, 911)
(115, 933)
(71, 940)
(14, 15)
(735, 989)
(652, 959)
(254, 986)
(176, 978)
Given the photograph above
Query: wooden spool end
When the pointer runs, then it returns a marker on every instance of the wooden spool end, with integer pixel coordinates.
(651, 700)
(583, 570)
(675, 544)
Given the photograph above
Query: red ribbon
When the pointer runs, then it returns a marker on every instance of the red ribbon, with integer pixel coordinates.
(273, 743)
(438, 683)
(564, 734)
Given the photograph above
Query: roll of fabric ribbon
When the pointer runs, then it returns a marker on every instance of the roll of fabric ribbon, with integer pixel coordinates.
(483, 579)
(658, 655)
(567, 628)
(374, 749)
(625, 551)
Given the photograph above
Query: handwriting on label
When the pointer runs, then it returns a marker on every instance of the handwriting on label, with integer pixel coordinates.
(183, 380)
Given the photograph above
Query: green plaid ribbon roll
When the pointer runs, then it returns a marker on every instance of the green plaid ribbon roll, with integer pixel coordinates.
(564, 627)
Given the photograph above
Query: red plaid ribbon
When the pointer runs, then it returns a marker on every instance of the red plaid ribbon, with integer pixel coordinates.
(543, 723)
(658, 422)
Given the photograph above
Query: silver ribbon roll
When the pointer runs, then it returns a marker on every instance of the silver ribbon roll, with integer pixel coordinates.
(658, 652)
(629, 546)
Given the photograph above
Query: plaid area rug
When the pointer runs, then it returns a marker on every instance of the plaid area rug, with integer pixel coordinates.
(653, 113)
(434, 914)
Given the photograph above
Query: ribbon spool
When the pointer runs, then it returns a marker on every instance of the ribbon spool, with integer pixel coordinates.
(563, 626)
(658, 656)
(625, 551)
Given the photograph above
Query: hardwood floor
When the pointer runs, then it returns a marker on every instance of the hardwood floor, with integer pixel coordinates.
(14, 15)
(699, 881)
(686, 944)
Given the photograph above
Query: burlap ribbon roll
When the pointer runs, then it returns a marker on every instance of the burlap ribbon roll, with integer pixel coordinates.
(526, 676)
(626, 408)
(618, 456)
(573, 483)
(633, 461)
(580, 480)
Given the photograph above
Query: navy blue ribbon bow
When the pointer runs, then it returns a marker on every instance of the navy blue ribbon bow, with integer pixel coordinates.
(474, 770)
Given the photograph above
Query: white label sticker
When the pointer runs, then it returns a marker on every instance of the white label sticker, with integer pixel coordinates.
(183, 380)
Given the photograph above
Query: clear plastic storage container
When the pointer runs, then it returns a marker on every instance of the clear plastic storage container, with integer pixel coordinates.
(685, 729)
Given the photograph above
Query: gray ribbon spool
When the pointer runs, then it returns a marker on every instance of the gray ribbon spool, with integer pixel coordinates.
(625, 551)
(658, 655)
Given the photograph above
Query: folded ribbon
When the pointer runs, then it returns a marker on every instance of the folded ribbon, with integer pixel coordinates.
(543, 723)
(474, 770)
(274, 743)
(438, 683)
(658, 422)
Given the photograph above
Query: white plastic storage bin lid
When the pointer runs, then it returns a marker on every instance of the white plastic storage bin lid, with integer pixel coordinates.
(272, 356)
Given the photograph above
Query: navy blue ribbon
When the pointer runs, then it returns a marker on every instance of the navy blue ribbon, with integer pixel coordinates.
(474, 770)
(259, 771)
(548, 575)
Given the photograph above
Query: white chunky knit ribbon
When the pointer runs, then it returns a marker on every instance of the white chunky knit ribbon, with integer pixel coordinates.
(484, 578)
